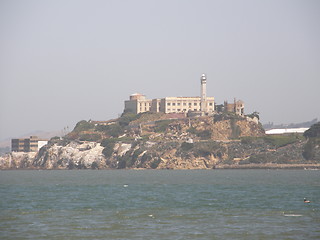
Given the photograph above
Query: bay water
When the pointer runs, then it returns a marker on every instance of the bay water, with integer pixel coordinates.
(159, 204)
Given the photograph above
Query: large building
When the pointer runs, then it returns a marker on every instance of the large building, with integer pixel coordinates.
(32, 144)
(203, 105)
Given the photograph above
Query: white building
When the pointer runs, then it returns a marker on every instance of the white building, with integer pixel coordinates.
(138, 103)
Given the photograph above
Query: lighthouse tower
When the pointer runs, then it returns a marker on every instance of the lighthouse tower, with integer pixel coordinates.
(203, 106)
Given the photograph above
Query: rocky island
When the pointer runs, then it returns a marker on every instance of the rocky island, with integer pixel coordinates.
(172, 141)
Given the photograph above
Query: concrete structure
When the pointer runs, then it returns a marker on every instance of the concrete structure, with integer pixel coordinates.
(237, 107)
(32, 144)
(203, 104)
(187, 104)
(137, 104)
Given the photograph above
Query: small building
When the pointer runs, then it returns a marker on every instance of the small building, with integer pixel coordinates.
(32, 144)
(236, 107)
(137, 104)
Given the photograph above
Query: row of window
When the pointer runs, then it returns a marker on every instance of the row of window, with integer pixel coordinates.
(184, 110)
(179, 110)
(145, 104)
(185, 104)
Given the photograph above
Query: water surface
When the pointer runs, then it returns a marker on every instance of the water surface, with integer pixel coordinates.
(160, 204)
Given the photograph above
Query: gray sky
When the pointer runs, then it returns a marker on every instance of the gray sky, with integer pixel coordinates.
(63, 61)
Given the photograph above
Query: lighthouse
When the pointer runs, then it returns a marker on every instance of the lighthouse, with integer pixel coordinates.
(203, 106)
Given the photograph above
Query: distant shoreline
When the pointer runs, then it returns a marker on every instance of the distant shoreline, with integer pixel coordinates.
(303, 166)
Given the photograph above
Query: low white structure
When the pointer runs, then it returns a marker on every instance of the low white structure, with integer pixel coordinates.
(286, 130)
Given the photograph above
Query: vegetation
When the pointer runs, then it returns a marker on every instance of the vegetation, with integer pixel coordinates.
(108, 145)
(186, 146)
(248, 140)
(126, 118)
(113, 130)
(253, 115)
(313, 131)
(83, 126)
(281, 140)
(235, 129)
(205, 149)
(203, 134)
(313, 136)
(162, 126)
(92, 137)
(226, 116)
(155, 163)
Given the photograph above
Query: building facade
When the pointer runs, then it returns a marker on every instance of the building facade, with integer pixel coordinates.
(138, 103)
(32, 144)
(237, 107)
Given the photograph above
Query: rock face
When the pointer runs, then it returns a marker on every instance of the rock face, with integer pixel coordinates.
(17, 160)
(73, 155)
(198, 143)
(155, 155)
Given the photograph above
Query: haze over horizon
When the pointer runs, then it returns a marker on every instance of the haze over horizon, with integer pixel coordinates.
(65, 61)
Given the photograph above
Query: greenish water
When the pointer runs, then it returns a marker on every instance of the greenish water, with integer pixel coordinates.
(160, 204)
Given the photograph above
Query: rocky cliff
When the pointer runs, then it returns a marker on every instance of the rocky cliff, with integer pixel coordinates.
(199, 143)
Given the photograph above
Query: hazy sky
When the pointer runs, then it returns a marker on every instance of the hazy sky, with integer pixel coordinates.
(62, 61)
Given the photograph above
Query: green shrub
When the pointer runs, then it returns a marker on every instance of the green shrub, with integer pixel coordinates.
(235, 129)
(281, 140)
(108, 145)
(92, 137)
(113, 130)
(161, 126)
(204, 149)
(155, 163)
(309, 149)
(253, 115)
(126, 118)
(248, 140)
(313, 131)
(83, 126)
(186, 146)
(192, 130)
(94, 165)
(122, 163)
(204, 134)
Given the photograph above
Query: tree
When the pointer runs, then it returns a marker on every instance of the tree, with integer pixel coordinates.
(313, 131)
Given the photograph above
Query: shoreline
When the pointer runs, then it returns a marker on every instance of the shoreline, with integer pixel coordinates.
(302, 166)
(273, 166)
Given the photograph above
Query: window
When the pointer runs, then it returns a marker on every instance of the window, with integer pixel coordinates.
(184, 104)
(210, 104)
(189, 103)
(173, 104)
(178, 109)
(178, 104)
(168, 104)
(195, 104)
